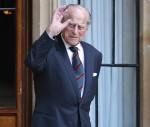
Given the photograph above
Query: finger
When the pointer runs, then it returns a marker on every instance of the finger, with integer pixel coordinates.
(61, 9)
(65, 12)
(65, 24)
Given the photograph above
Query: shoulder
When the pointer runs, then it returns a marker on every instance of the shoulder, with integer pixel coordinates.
(91, 48)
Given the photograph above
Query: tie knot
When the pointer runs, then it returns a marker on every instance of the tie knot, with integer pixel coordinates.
(73, 49)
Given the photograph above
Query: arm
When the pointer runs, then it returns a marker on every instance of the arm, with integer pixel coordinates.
(39, 51)
(36, 58)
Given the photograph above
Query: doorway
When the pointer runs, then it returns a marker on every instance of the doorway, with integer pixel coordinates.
(15, 79)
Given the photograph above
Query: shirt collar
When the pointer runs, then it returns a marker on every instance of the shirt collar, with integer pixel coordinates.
(79, 46)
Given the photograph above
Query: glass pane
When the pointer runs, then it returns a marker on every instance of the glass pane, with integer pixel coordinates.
(66, 2)
(7, 55)
(126, 45)
(117, 97)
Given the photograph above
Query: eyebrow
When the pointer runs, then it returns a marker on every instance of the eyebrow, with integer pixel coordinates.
(77, 24)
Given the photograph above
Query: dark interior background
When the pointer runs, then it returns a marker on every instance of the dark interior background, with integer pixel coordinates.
(7, 53)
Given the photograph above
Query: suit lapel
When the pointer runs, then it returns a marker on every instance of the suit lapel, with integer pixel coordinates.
(88, 66)
(88, 55)
(66, 62)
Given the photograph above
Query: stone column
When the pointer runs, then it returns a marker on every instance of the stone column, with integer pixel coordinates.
(145, 63)
(42, 12)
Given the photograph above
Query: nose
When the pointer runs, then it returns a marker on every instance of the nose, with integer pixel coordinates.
(75, 30)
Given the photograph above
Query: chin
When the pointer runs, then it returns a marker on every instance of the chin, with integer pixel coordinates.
(74, 43)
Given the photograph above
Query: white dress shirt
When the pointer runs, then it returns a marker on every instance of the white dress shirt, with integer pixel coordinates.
(81, 55)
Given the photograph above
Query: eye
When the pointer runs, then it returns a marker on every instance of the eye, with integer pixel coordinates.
(71, 25)
(81, 27)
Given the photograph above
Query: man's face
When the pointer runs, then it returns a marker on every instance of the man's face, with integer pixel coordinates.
(77, 28)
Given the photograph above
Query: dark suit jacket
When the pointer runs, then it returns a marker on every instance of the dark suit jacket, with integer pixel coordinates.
(58, 103)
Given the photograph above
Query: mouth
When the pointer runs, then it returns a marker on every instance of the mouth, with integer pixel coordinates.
(72, 37)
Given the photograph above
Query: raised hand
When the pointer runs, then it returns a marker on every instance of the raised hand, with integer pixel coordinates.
(56, 25)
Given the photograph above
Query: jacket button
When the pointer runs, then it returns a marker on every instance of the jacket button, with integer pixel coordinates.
(75, 123)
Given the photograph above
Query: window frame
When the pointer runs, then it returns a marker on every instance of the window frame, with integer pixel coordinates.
(113, 64)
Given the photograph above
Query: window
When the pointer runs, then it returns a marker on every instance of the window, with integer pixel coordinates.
(114, 31)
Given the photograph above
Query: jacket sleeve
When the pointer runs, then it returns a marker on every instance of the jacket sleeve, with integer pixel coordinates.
(36, 58)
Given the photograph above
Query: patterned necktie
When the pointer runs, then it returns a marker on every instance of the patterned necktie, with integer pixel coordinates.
(78, 68)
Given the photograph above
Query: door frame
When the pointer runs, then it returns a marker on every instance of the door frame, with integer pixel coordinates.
(24, 75)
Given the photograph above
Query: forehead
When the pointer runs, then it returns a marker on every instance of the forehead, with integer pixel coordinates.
(78, 15)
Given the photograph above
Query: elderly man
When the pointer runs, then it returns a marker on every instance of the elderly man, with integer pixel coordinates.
(65, 69)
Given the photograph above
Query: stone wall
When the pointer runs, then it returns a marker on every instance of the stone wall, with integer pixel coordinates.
(145, 62)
